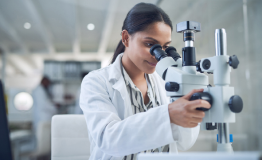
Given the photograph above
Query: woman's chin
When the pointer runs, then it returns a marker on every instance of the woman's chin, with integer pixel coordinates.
(150, 71)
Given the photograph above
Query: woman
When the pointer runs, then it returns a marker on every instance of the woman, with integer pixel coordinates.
(124, 104)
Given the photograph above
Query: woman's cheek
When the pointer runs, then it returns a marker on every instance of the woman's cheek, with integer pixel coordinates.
(145, 52)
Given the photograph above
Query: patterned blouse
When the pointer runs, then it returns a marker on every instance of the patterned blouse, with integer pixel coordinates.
(137, 103)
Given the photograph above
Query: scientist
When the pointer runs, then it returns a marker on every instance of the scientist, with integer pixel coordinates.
(125, 103)
(44, 108)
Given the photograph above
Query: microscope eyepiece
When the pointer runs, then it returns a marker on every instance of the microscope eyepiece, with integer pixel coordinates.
(156, 50)
(153, 48)
(170, 48)
(171, 51)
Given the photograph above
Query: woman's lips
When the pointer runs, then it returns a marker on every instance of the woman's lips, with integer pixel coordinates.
(152, 64)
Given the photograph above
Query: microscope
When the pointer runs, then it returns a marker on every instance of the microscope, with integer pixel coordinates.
(185, 74)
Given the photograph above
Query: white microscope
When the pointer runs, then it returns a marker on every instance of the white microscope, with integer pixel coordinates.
(182, 76)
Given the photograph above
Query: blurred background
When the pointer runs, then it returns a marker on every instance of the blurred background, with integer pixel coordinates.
(47, 46)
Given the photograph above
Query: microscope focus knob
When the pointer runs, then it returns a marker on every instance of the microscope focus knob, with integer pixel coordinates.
(172, 86)
(198, 68)
(233, 61)
(235, 104)
(202, 95)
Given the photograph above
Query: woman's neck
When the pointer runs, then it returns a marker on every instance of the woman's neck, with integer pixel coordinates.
(132, 70)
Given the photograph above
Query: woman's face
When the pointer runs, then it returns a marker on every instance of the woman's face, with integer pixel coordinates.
(139, 45)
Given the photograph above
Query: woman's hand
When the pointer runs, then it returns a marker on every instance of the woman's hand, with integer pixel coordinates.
(183, 112)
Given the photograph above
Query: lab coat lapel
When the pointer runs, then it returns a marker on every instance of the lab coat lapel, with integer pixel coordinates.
(161, 92)
(118, 84)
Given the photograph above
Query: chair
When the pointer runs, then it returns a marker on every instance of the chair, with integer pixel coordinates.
(41, 141)
(69, 138)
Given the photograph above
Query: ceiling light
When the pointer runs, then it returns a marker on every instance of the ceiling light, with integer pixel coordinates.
(90, 26)
(23, 101)
(27, 25)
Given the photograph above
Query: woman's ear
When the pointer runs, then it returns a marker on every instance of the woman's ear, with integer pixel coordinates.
(125, 38)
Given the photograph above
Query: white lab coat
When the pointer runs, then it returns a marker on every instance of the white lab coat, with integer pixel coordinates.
(113, 129)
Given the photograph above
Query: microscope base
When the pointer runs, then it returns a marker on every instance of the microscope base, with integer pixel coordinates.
(225, 147)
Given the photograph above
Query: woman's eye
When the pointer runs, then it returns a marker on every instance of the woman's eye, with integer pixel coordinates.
(149, 44)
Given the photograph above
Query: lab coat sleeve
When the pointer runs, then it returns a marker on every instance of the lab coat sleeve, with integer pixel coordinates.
(184, 137)
(116, 137)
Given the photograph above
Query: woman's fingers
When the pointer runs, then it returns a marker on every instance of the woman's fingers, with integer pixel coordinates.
(183, 112)
(197, 114)
(189, 95)
(198, 103)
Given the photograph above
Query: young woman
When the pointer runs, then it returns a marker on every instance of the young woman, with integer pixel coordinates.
(124, 104)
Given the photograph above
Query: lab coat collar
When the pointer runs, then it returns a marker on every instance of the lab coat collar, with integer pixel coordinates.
(116, 78)
(115, 70)
(118, 83)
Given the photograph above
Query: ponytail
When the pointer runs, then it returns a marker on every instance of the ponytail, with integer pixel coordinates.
(119, 49)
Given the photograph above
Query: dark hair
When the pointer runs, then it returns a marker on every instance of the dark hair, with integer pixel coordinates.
(138, 19)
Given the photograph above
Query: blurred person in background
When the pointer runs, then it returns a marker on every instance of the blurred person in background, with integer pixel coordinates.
(43, 108)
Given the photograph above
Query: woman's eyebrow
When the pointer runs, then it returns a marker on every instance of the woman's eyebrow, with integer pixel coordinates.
(155, 40)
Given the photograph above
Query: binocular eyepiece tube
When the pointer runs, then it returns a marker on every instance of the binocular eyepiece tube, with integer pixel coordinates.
(156, 50)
